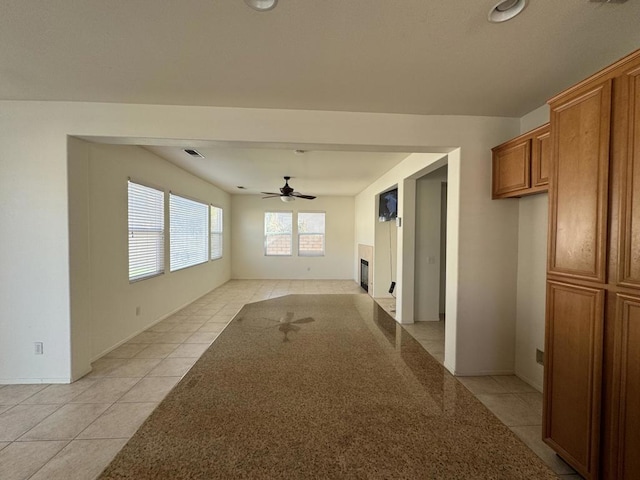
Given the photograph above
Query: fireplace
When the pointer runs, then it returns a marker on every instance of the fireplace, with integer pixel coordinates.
(364, 274)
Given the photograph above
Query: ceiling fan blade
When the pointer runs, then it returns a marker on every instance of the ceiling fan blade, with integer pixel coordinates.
(299, 195)
(275, 195)
(270, 193)
(304, 320)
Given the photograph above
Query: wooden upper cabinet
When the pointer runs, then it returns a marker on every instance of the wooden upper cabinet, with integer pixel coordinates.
(578, 200)
(541, 157)
(628, 132)
(511, 174)
(521, 165)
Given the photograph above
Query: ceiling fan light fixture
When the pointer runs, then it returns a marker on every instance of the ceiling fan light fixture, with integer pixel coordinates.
(262, 5)
(506, 10)
(288, 199)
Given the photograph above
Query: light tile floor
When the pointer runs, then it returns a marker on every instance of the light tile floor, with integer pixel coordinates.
(71, 432)
(514, 402)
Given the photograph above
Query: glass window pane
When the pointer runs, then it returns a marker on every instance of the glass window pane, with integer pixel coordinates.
(146, 231)
(188, 233)
(216, 232)
(311, 233)
(278, 233)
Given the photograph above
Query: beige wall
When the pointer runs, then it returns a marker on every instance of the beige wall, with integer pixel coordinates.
(35, 284)
(112, 317)
(532, 264)
(79, 255)
(481, 254)
(247, 232)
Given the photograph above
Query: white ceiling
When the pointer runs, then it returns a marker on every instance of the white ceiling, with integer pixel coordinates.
(390, 56)
(315, 172)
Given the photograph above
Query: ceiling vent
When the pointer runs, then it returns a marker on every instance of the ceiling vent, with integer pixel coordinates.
(193, 153)
(608, 1)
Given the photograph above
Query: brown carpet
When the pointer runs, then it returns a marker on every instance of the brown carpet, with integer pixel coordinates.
(321, 386)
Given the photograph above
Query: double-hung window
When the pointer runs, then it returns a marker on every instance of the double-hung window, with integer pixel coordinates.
(278, 233)
(146, 231)
(311, 234)
(189, 232)
(216, 232)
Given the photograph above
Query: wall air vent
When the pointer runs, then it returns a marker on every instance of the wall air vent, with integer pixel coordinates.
(193, 153)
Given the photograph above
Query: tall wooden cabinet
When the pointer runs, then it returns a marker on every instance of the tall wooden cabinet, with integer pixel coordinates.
(592, 365)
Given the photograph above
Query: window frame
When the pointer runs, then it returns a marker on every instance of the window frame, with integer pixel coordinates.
(160, 256)
(323, 233)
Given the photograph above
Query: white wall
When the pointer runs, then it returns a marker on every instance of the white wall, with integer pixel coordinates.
(532, 264)
(481, 257)
(534, 119)
(249, 260)
(113, 299)
(35, 293)
(427, 254)
(78, 169)
(385, 254)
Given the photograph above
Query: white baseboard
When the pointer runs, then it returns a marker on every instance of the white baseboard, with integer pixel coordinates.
(481, 373)
(32, 381)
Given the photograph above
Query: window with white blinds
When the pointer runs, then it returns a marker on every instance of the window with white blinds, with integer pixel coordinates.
(216, 232)
(146, 231)
(189, 232)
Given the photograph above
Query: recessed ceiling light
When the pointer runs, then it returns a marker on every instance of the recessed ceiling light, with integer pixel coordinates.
(262, 5)
(506, 10)
(241, 187)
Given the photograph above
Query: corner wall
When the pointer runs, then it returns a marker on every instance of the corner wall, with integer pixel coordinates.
(532, 268)
(35, 290)
(113, 299)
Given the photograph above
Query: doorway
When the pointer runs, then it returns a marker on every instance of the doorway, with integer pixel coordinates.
(430, 261)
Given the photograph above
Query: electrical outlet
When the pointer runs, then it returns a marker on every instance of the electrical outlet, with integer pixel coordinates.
(38, 348)
(539, 356)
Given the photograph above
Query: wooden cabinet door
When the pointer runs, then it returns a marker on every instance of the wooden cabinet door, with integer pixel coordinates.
(578, 199)
(511, 165)
(629, 133)
(626, 455)
(541, 158)
(573, 374)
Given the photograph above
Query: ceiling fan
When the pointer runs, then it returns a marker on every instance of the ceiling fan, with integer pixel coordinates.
(287, 194)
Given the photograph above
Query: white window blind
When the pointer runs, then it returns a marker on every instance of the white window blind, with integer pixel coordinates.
(278, 227)
(311, 234)
(216, 232)
(146, 231)
(189, 232)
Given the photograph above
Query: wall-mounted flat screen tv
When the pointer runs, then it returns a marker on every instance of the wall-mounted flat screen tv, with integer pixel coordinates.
(388, 205)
